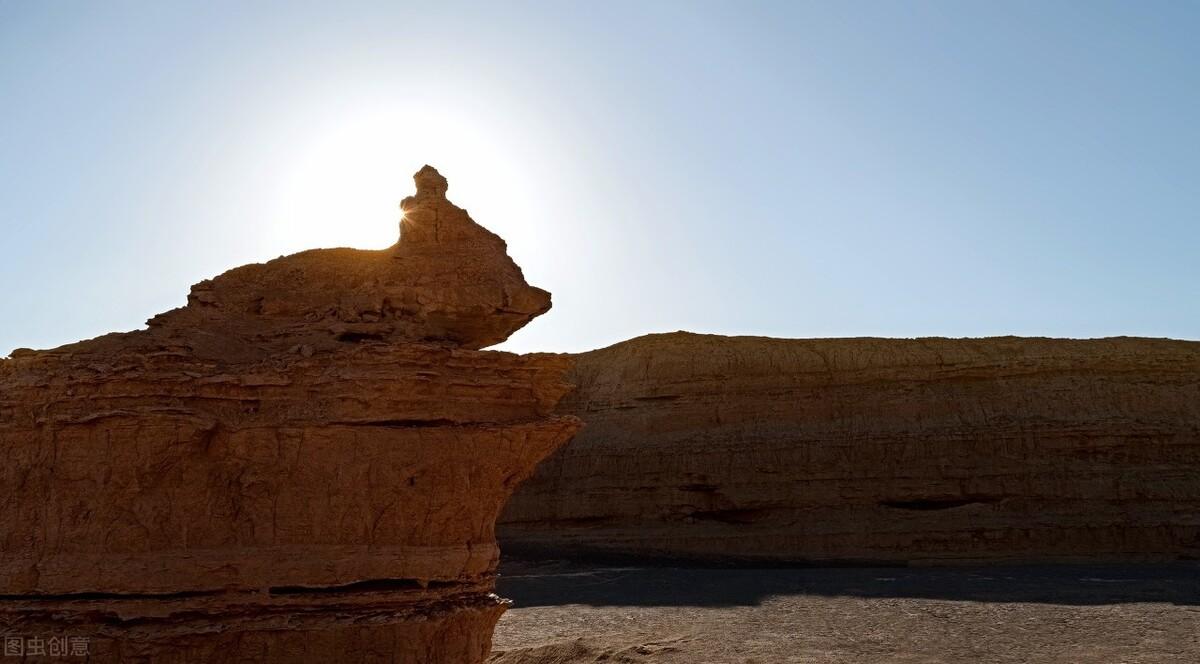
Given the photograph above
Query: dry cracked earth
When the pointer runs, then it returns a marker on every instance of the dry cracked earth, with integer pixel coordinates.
(569, 613)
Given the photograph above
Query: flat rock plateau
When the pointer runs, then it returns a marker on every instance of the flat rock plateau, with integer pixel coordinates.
(874, 451)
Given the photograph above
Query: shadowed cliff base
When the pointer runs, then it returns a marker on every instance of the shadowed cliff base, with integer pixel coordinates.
(559, 583)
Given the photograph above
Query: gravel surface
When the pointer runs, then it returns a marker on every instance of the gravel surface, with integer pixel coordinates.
(564, 613)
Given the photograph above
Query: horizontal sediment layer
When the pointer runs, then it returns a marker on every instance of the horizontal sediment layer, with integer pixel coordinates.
(161, 504)
(303, 464)
(433, 625)
(875, 450)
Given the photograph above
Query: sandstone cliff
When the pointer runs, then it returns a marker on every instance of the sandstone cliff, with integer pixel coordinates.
(304, 464)
(875, 450)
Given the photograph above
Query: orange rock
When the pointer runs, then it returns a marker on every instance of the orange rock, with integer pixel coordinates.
(448, 279)
(304, 464)
(875, 450)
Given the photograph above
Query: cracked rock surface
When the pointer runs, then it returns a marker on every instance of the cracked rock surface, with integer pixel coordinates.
(304, 464)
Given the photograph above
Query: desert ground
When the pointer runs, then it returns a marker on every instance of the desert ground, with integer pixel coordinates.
(572, 612)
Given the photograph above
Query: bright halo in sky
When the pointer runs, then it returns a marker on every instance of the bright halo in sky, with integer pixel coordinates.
(340, 182)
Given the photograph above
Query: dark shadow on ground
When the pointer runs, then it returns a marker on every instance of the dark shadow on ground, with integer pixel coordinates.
(556, 582)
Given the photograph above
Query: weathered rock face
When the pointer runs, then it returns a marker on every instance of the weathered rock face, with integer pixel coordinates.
(302, 465)
(887, 450)
(447, 280)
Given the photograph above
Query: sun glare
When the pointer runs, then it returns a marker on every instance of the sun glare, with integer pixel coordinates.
(344, 185)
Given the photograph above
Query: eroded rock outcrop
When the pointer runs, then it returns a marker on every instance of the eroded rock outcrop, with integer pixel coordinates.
(304, 464)
(447, 280)
(875, 450)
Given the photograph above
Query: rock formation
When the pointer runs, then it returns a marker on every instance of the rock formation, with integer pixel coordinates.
(447, 280)
(875, 450)
(304, 464)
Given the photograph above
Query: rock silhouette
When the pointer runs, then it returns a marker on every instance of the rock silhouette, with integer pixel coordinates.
(448, 279)
(874, 451)
(304, 464)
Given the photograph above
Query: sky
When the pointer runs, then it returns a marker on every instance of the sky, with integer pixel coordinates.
(793, 169)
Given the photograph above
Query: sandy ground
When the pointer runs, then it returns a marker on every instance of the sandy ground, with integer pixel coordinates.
(567, 613)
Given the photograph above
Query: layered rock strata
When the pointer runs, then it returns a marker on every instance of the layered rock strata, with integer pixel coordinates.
(875, 451)
(304, 464)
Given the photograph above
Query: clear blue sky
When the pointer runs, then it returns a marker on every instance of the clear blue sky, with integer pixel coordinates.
(793, 169)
